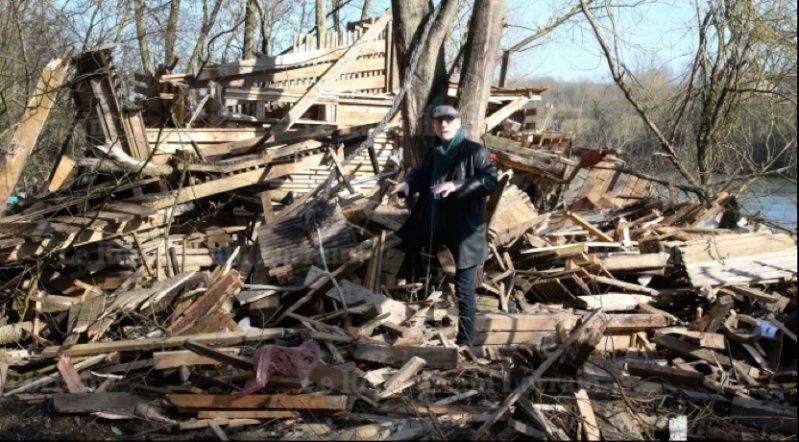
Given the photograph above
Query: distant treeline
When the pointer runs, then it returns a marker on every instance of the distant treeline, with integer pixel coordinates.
(597, 114)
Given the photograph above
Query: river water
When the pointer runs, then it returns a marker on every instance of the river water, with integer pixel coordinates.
(775, 198)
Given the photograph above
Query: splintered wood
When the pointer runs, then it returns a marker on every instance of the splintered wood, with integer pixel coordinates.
(232, 232)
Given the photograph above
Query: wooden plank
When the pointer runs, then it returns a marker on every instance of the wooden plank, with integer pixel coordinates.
(60, 173)
(614, 302)
(634, 262)
(338, 67)
(589, 424)
(131, 209)
(203, 305)
(752, 293)
(218, 355)
(739, 258)
(613, 282)
(228, 422)
(521, 322)
(579, 220)
(340, 171)
(259, 401)
(93, 402)
(70, 375)
(163, 360)
(203, 190)
(674, 376)
(693, 351)
(283, 62)
(150, 344)
(232, 415)
(713, 341)
(266, 204)
(90, 310)
(504, 112)
(43, 97)
(770, 416)
(408, 370)
(397, 356)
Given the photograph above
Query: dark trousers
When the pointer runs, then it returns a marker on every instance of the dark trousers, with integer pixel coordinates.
(465, 280)
(414, 268)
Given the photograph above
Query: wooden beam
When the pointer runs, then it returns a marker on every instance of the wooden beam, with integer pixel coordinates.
(92, 402)
(225, 357)
(411, 367)
(248, 414)
(589, 424)
(150, 344)
(692, 351)
(163, 360)
(340, 170)
(398, 355)
(331, 75)
(674, 376)
(504, 112)
(60, 173)
(259, 401)
(13, 160)
(70, 375)
(224, 287)
(266, 204)
(593, 230)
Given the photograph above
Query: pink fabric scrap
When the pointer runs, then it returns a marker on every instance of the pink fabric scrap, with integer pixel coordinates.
(270, 360)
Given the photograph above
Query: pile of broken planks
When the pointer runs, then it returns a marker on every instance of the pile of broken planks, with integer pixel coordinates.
(201, 277)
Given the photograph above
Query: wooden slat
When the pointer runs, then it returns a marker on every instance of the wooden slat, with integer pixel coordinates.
(259, 401)
(150, 344)
(310, 97)
(397, 356)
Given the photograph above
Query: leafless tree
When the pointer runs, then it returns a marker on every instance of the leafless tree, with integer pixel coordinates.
(745, 60)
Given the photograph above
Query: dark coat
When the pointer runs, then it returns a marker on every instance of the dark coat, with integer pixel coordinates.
(465, 209)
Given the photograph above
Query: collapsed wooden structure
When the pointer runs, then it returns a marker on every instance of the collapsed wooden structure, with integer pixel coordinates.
(201, 225)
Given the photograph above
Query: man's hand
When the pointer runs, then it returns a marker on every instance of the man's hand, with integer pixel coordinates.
(402, 189)
(444, 188)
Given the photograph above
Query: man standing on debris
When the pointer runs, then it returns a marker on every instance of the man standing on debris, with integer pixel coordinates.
(453, 183)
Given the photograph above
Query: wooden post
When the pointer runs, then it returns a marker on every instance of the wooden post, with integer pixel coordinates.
(266, 203)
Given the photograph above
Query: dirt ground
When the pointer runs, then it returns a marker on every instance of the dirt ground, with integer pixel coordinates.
(24, 421)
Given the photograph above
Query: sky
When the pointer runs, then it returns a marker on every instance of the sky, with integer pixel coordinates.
(655, 31)
(655, 34)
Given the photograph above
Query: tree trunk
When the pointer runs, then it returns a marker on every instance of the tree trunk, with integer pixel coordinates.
(336, 4)
(170, 33)
(365, 10)
(429, 83)
(141, 35)
(249, 29)
(266, 36)
(321, 19)
(479, 63)
(208, 23)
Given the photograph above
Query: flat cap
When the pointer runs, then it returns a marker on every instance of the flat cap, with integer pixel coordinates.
(445, 111)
